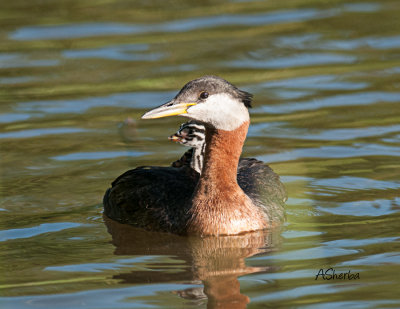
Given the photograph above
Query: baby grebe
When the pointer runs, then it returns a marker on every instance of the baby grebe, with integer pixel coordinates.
(191, 134)
(178, 199)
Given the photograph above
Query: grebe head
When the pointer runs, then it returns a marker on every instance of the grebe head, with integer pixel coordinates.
(210, 100)
(191, 134)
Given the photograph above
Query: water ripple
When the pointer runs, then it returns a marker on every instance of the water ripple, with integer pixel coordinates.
(135, 262)
(362, 7)
(356, 304)
(13, 117)
(351, 183)
(373, 208)
(310, 253)
(99, 298)
(68, 31)
(351, 99)
(276, 129)
(316, 42)
(16, 80)
(90, 267)
(370, 42)
(359, 150)
(314, 82)
(360, 242)
(386, 258)
(297, 60)
(303, 291)
(77, 106)
(98, 155)
(36, 230)
(41, 132)
(124, 52)
(299, 234)
(17, 60)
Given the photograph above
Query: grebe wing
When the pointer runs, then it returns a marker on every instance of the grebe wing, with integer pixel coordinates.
(263, 187)
(151, 197)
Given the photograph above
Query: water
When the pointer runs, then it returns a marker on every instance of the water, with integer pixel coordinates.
(75, 78)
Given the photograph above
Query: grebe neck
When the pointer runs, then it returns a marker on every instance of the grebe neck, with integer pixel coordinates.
(219, 205)
(221, 158)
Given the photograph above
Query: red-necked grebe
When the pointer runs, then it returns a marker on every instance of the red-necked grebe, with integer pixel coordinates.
(219, 201)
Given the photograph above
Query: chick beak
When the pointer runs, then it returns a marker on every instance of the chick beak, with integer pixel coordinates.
(168, 109)
(174, 138)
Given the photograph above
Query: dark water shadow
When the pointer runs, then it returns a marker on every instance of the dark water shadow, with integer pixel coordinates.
(216, 262)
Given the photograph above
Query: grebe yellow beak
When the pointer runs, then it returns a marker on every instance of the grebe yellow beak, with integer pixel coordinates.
(168, 109)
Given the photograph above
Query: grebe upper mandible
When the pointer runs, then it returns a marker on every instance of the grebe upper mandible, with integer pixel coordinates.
(179, 200)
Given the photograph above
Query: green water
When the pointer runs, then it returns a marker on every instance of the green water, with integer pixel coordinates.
(75, 76)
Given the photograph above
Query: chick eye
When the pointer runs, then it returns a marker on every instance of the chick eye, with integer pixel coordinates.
(203, 95)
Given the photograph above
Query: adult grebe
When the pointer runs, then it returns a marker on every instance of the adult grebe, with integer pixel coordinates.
(178, 200)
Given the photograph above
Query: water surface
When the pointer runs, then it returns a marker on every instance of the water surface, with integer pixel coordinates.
(75, 78)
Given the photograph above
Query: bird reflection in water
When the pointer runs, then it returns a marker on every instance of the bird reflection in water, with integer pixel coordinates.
(216, 262)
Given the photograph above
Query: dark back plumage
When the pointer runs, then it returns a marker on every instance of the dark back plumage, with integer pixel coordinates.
(152, 197)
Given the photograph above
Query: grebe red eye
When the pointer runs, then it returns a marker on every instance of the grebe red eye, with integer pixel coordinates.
(203, 95)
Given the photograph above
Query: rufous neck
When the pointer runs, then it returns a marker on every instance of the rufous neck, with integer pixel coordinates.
(219, 205)
(221, 158)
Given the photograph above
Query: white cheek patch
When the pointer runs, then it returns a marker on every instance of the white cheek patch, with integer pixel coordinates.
(221, 111)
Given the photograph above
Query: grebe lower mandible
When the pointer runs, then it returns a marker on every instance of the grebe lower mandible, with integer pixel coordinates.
(178, 199)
